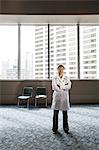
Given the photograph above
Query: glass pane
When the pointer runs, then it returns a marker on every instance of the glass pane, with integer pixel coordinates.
(63, 49)
(41, 52)
(34, 52)
(89, 52)
(8, 52)
(27, 47)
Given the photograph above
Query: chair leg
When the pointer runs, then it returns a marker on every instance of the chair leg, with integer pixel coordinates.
(18, 102)
(35, 102)
(28, 103)
(46, 102)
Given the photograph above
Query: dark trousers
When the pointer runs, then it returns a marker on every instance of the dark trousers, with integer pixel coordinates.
(55, 120)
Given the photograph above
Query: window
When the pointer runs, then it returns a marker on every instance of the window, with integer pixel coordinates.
(89, 52)
(27, 49)
(61, 42)
(34, 52)
(8, 52)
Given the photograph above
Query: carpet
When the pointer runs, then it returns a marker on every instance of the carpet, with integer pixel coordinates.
(30, 129)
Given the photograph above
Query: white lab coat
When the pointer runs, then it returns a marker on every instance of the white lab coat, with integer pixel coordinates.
(61, 94)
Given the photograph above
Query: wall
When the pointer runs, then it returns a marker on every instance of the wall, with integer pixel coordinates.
(11, 89)
(85, 91)
(82, 91)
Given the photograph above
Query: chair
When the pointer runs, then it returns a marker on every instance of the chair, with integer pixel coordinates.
(40, 94)
(26, 95)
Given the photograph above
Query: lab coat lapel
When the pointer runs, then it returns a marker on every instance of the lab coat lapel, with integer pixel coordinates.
(61, 79)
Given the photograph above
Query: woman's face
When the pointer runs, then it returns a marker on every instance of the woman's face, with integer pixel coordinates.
(60, 71)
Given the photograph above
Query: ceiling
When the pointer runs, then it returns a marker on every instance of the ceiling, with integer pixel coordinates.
(45, 19)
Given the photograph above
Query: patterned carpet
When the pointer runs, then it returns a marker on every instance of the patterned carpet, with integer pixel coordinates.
(30, 129)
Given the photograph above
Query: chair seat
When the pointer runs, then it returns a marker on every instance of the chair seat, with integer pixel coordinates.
(40, 96)
(26, 94)
(23, 97)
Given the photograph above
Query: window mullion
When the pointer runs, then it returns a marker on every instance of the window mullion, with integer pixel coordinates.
(78, 48)
(19, 52)
(48, 51)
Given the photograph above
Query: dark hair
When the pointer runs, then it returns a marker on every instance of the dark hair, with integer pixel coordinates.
(60, 66)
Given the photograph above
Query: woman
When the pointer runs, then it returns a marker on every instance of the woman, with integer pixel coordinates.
(61, 86)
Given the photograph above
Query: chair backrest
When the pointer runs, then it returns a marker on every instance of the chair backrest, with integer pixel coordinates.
(27, 91)
(41, 91)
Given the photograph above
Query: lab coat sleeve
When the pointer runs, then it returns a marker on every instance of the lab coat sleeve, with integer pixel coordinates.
(54, 85)
(67, 86)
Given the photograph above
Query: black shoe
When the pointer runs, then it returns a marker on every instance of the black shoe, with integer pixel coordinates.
(66, 130)
(55, 131)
